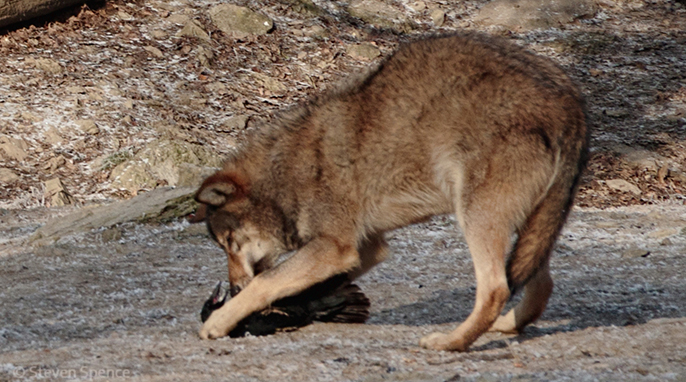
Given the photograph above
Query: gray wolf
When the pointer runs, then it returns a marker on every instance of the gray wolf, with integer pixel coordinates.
(465, 124)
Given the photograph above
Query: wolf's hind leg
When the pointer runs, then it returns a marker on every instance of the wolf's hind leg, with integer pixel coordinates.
(489, 239)
(536, 294)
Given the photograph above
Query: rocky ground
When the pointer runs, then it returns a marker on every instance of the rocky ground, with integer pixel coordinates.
(110, 101)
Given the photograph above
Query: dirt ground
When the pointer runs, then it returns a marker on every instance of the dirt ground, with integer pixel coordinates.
(131, 306)
(123, 303)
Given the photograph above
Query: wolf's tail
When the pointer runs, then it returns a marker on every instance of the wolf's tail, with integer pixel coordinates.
(538, 234)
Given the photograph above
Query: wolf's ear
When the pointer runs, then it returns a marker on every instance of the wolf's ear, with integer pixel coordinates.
(218, 190)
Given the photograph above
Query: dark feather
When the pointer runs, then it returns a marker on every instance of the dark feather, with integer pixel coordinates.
(333, 300)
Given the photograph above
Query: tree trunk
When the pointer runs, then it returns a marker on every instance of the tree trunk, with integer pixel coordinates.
(13, 11)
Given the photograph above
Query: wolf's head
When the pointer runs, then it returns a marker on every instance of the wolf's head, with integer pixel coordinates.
(250, 231)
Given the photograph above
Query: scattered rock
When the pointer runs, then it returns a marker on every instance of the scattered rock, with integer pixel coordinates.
(125, 16)
(7, 175)
(623, 185)
(56, 193)
(639, 158)
(159, 162)
(53, 137)
(662, 173)
(306, 7)
(237, 122)
(178, 18)
(380, 14)
(438, 17)
(30, 117)
(205, 56)
(315, 31)
(269, 83)
(55, 163)
(76, 90)
(159, 34)
(47, 65)
(633, 253)
(111, 234)
(154, 51)
(524, 15)
(132, 176)
(364, 51)
(217, 88)
(88, 126)
(193, 175)
(616, 113)
(13, 148)
(418, 6)
(193, 29)
(240, 21)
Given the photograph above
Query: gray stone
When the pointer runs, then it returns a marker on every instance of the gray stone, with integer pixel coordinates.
(111, 234)
(158, 162)
(55, 163)
(616, 113)
(269, 83)
(53, 137)
(380, 14)
(13, 148)
(240, 21)
(524, 15)
(8, 176)
(418, 6)
(205, 56)
(154, 51)
(623, 185)
(88, 126)
(364, 51)
(47, 65)
(315, 31)
(633, 253)
(193, 29)
(438, 17)
(193, 175)
(56, 194)
(125, 16)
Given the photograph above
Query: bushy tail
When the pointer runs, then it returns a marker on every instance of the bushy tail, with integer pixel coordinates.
(538, 234)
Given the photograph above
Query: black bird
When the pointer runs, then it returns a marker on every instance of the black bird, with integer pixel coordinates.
(333, 300)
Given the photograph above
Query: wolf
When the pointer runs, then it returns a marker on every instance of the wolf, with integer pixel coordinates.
(465, 124)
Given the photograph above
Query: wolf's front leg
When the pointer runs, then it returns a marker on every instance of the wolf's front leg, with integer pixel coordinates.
(320, 259)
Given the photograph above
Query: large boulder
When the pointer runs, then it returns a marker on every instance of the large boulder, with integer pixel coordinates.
(524, 15)
(240, 21)
(165, 161)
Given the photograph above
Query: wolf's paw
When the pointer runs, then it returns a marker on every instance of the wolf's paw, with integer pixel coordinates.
(441, 341)
(212, 330)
